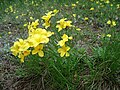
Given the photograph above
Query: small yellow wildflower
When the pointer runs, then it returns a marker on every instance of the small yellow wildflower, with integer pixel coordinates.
(86, 18)
(64, 51)
(16, 17)
(9, 32)
(91, 9)
(25, 25)
(74, 15)
(109, 22)
(107, 1)
(73, 5)
(113, 23)
(78, 29)
(77, 2)
(31, 18)
(108, 35)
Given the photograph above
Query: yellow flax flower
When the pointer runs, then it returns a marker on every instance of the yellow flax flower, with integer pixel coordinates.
(38, 49)
(109, 22)
(64, 51)
(64, 39)
(86, 18)
(113, 23)
(108, 35)
(91, 9)
(63, 24)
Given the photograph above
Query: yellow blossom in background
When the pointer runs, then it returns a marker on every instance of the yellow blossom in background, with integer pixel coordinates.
(108, 35)
(113, 23)
(16, 17)
(78, 29)
(77, 2)
(91, 9)
(25, 24)
(38, 49)
(66, 5)
(64, 51)
(86, 18)
(118, 6)
(107, 1)
(31, 18)
(73, 5)
(9, 32)
(74, 15)
(109, 22)
(11, 8)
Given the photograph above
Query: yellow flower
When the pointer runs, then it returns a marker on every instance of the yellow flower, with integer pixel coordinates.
(73, 5)
(64, 51)
(31, 18)
(65, 39)
(107, 1)
(47, 16)
(77, 2)
(9, 32)
(109, 22)
(11, 8)
(86, 18)
(38, 49)
(63, 24)
(78, 29)
(113, 23)
(16, 17)
(108, 35)
(91, 9)
(74, 15)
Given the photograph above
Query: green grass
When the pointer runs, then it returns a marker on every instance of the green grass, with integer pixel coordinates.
(94, 59)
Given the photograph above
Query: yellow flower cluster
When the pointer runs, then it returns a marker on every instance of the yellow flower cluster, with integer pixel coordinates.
(36, 40)
(39, 37)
